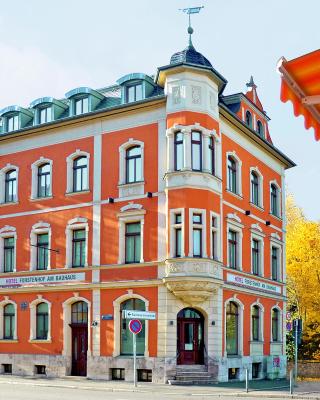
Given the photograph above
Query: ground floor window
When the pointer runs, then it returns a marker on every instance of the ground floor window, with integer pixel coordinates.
(232, 328)
(126, 347)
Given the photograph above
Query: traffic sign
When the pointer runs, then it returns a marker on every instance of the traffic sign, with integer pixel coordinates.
(289, 326)
(135, 326)
(134, 314)
(288, 315)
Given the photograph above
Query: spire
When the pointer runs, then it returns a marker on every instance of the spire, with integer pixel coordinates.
(189, 11)
(252, 87)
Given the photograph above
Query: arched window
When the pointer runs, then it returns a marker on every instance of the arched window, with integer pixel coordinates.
(178, 151)
(8, 321)
(274, 200)
(275, 325)
(11, 186)
(211, 155)
(44, 180)
(232, 175)
(232, 329)
(126, 335)
(133, 164)
(255, 189)
(79, 313)
(42, 319)
(255, 323)
(260, 129)
(196, 151)
(249, 119)
(80, 174)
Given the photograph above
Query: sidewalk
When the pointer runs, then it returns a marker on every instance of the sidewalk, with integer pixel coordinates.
(257, 389)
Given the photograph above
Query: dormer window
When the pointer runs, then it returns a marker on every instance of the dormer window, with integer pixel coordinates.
(12, 122)
(134, 92)
(45, 115)
(81, 105)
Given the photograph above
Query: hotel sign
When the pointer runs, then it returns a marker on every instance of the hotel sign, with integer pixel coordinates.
(42, 279)
(252, 283)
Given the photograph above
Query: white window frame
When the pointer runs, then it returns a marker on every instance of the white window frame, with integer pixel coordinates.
(3, 172)
(3, 303)
(274, 182)
(259, 236)
(34, 177)
(126, 216)
(217, 231)
(37, 229)
(202, 226)
(261, 322)
(240, 325)
(70, 159)
(33, 319)
(276, 243)
(73, 225)
(234, 224)
(173, 227)
(238, 161)
(7, 232)
(280, 327)
(260, 187)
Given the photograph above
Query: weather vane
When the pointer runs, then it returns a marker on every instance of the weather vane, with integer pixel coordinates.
(189, 11)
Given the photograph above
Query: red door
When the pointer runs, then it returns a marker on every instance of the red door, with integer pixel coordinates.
(190, 341)
(79, 350)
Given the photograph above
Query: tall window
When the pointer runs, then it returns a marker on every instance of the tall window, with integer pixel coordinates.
(133, 164)
(126, 335)
(274, 200)
(197, 235)
(13, 123)
(8, 321)
(178, 151)
(214, 237)
(232, 175)
(255, 323)
(8, 254)
(42, 251)
(78, 248)
(249, 119)
(233, 249)
(134, 92)
(255, 256)
(42, 318)
(81, 105)
(232, 329)
(133, 242)
(44, 180)
(275, 325)
(45, 115)
(212, 156)
(260, 129)
(275, 263)
(11, 186)
(79, 313)
(255, 189)
(80, 174)
(178, 235)
(196, 151)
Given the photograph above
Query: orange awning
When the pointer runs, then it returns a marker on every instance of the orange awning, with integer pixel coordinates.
(300, 83)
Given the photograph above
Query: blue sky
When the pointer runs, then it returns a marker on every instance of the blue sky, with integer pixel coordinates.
(48, 48)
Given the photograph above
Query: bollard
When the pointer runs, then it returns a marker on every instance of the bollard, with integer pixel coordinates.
(247, 380)
(291, 381)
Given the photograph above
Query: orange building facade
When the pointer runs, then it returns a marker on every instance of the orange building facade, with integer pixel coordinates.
(156, 194)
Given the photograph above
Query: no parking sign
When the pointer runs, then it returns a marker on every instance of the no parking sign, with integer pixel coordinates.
(135, 326)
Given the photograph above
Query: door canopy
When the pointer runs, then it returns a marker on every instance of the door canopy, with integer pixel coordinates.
(300, 83)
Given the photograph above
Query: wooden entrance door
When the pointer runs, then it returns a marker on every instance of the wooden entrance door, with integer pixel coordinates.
(190, 341)
(79, 350)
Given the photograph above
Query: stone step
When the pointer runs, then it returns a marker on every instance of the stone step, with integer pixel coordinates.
(191, 382)
(193, 377)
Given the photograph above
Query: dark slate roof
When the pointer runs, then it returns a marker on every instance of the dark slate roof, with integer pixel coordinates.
(190, 56)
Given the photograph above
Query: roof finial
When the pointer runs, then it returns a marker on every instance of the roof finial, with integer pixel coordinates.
(189, 11)
(251, 85)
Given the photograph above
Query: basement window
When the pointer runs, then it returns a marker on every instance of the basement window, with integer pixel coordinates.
(40, 369)
(117, 374)
(256, 369)
(144, 375)
(7, 368)
(233, 373)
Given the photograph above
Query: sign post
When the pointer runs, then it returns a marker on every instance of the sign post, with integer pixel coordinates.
(297, 325)
(135, 327)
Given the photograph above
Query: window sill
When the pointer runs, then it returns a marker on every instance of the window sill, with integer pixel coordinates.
(10, 203)
(256, 206)
(40, 341)
(9, 341)
(234, 356)
(130, 184)
(33, 199)
(276, 217)
(237, 195)
(276, 342)
(77, 193)
(256, 341)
